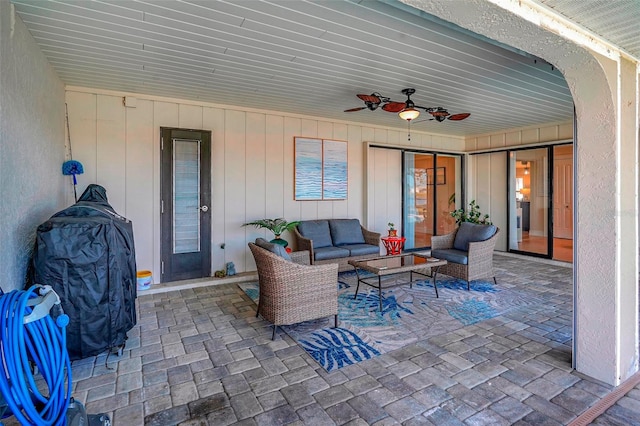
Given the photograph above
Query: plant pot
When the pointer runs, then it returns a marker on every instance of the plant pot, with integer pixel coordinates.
(280, 241)
(393, 232)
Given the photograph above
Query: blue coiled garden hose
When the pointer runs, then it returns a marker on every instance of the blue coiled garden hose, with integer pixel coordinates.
(42, 342)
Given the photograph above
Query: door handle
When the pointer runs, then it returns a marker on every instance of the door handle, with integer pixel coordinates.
(204, 209)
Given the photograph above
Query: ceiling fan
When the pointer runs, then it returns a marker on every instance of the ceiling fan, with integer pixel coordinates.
(407, 110)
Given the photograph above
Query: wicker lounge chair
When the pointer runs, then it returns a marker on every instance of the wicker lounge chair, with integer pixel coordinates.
(294, 291)
(479, 257)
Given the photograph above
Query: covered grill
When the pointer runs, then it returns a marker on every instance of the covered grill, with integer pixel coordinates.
(86, 253)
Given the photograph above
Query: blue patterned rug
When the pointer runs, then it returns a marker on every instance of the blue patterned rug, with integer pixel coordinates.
(408, 314)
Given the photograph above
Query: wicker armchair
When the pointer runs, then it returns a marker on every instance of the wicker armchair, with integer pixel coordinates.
(294, 291)
(480, 258)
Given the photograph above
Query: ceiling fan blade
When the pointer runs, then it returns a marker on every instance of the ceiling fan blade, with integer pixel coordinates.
(393, 106)
(355, 109)
(458, 117)
(369, 98)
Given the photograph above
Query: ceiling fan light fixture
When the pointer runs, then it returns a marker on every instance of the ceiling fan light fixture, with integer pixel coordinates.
(407, 110)
(409, 114)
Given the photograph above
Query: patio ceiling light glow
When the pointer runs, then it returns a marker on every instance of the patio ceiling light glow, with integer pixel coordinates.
(409, 114)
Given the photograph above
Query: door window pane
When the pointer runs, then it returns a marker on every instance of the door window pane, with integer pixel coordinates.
(529, 201)
(432, 189)
(418, 200)
(186, 196)
(448, 184)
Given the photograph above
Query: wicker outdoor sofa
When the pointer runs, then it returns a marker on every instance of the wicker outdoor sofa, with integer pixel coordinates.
(336, 241)
(291, 290)
(468, 251)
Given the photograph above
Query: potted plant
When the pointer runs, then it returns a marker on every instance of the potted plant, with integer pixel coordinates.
(472, 215)
(277, 226)
(392, 230)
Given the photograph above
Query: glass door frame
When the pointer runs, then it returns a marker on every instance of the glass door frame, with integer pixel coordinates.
(549, 182)
(434, 196)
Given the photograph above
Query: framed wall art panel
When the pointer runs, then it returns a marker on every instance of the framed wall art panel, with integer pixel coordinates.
(321, 169)
(334, 170)
(308, 169)
(440, 178)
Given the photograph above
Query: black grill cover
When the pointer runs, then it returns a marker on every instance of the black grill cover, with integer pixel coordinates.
(86, 254)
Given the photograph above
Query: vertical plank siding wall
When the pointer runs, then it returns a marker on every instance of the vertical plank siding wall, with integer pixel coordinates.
(384, 189)
(487, 173)
(252, 166)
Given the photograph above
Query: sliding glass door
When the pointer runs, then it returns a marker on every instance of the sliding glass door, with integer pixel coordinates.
(432, 189)
(529, 202)
(418, 200)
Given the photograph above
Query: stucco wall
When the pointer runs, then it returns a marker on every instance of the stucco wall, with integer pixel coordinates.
(628, 223)
(31, 145)
(252, 165)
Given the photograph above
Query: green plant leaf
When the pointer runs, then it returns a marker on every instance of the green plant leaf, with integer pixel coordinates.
(472, 215)
(277, 226)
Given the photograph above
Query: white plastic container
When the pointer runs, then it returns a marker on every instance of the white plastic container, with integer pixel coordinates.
(145, 278)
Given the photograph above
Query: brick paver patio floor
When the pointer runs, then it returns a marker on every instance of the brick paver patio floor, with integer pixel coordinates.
(200, 356)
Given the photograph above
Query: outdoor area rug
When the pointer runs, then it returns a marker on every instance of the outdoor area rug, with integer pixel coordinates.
(408, 314)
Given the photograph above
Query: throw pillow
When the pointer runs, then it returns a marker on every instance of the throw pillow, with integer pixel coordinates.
(273, 248)
(317, 231)
(346, 231)
(471, 233)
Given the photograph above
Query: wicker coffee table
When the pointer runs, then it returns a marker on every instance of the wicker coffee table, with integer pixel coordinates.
(390, 265)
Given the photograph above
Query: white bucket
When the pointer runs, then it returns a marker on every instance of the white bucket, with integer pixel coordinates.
(145, 278)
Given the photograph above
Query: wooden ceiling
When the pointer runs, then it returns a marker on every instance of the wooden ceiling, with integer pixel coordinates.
(299, 57)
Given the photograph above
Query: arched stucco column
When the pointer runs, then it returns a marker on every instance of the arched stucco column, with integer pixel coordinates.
(606, 235)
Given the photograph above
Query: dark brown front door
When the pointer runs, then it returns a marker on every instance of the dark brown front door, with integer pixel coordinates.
(185, 186)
